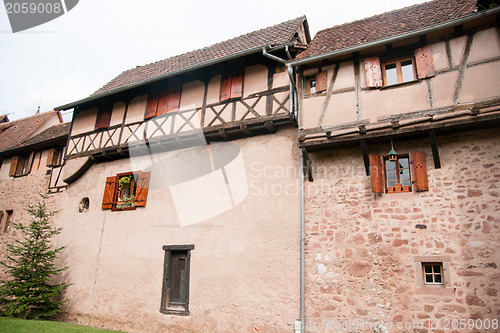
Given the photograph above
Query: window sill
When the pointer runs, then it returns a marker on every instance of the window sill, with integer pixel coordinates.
(115, 209)
(398, 85)
(170, 311)
(20, 175)
(435, 290)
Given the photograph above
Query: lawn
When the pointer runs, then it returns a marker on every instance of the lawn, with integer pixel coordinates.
(39, 326)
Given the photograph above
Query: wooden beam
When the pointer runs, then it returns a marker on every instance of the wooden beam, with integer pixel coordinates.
(435, 152)
(366, 160)
(307, 165)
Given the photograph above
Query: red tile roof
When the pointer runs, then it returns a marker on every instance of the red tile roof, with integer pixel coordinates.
(387, 25)
(276, 35)
(52, 133)
(14, 133)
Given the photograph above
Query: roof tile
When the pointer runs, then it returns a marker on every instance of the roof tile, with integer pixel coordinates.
(387, 25)
(276, 35)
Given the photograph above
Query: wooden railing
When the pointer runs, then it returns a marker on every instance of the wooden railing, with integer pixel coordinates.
(263, 107)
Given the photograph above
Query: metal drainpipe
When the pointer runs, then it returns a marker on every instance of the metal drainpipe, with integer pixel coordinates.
(302, 248)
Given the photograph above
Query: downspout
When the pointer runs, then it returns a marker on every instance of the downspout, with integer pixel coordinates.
(293, 86)
(302, 248)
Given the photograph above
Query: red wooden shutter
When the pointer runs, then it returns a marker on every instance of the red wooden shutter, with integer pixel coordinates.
(108, 199)
(103, 117)
(376, 174)
(321, 81)
(162, 103)
(174, 98)
(225, 87)
(13, 166)
(141, 193)
(237, 84)
(50, 157)
(151, 107)
(425, 64)
(419, 171)
(373, 72)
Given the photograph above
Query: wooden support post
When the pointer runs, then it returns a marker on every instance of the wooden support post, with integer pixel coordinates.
(307, 165)
(366, 160)
(435, 152)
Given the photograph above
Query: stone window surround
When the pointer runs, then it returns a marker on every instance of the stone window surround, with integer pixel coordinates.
(444, 289)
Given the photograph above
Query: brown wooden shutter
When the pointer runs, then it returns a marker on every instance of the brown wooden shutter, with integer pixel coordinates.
(225, 87)
(174, 98)
(376, 174)
(419, 171)
(109, 196)
(50, 157)
(103, 117)
(1, 216)
(151, 106)
(162, 103)
(30, 162)
(237, 84)
(373, 72)
(13, 166)
(141, 193)
(321, 81)
(425, 64)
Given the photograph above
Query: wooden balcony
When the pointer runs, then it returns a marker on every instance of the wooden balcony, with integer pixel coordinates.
(256, 114)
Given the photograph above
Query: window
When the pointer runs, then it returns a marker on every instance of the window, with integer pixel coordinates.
(175, 290)
(418, 65)
(8, 220)
(315, 83)
(126, 191)
(231, 85)
(433, 272)
(433, 275)
(21, 165)
(279, 68)
(397, 174)
(398, 71)
(55, 156)
(405, 174)
(103, 117)
(162, 102)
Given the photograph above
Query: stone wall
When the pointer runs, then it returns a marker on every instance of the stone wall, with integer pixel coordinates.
(362, 249)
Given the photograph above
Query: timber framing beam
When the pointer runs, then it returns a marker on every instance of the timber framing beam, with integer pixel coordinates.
(307, 165)
(487, 120)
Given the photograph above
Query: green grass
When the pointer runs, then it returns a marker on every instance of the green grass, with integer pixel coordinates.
(12, 325)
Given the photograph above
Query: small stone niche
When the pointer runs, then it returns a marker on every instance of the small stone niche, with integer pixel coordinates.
(84, 205)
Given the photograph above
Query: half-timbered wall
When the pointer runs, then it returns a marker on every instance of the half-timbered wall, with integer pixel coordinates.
(466, 68)
(265, 97)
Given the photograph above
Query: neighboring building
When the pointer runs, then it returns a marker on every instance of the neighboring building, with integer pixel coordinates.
(31, 158)
(407, 235)
(182, 164)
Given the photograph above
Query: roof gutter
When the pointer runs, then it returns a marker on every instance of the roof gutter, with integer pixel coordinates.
(214, 61)
(396, 38)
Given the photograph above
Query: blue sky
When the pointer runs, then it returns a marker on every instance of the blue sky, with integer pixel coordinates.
(72, 56)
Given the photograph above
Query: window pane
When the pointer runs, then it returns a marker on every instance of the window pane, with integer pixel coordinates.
(428, 278)
(404, 173)
(405, 182)
(391, 74)
(313, 86)
(390, 165)
(407, 70)
(391, 183)
(403, 162)
(437, 269)
(428, 268)
(391, 175)
(437, 278)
